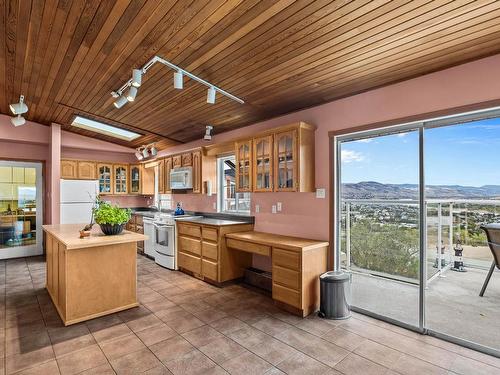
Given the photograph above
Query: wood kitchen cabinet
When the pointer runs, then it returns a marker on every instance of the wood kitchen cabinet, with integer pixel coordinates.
(105, 178)
(120, 173)
(243, 153)
(176, 161)
(285, 161)
(86, 170)
(187, 159)
(263, 163)
(69, 169)
(161, 176)
(135, 178)
(197, 171)
(167, 168)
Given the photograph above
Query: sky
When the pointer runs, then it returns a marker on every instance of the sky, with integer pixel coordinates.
(464, 154)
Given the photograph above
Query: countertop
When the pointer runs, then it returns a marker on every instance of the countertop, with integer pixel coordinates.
(284, 242)
(69, 235)
(211, 221)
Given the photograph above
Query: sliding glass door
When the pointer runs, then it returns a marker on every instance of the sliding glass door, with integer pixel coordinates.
(380, 223)
(410, 205)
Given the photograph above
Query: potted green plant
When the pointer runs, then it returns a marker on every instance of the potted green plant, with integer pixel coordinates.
(111, 219)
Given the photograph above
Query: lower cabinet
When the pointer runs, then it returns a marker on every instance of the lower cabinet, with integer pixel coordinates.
(135, 224)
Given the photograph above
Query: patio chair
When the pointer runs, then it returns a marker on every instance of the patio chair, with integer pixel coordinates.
(493, 235)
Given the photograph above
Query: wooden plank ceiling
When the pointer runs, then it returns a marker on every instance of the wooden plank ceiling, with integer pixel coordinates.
(279, 56)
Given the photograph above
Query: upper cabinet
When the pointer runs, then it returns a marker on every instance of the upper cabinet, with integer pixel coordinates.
(177, 161)
(69, 169)
(120, 172)
(135, 179)
(285, 161)
(167, 169)
(197, 170)
(86, 170)
(263, 163)
(281, 159)
(161, 176)
(187, 159)
(243, 153)
(105, 177)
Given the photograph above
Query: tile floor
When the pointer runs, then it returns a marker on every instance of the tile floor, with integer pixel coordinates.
(185, 326)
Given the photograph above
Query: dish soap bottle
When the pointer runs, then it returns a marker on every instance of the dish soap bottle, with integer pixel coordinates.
(179, 210)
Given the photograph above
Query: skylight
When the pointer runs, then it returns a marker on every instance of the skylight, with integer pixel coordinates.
(99, 127)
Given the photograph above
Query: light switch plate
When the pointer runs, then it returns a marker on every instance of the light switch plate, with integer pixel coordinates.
(273, 209)
(257, 208)
(321, 193)
(278, 206)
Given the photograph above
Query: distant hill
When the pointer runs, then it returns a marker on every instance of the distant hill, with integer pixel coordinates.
(376, 190)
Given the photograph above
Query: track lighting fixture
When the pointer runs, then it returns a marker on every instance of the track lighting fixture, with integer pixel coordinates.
(18, 109)
(178, 80)
(146, 151)
(136, 77)
(17, 120)
(211, 95)
(132, 84)
(208, 133)
(120, 102)
(132, 93)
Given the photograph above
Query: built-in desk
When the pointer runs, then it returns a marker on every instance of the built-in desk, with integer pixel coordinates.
(296, 266)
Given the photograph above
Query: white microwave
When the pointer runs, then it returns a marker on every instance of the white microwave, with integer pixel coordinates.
(181, 178)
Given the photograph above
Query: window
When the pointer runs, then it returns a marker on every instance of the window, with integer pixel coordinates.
(99, 127)
(228, 200)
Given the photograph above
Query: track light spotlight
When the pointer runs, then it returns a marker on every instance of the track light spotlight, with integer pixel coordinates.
(138, 154)
(136, 77)
(18, 120)
(208, 131)
(211, 95)
(120, 102)
(19, 108)
(153, 150)
(132, 93)
(145, 152)
(178, 80)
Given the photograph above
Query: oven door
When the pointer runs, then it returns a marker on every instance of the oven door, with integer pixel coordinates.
(164, 239)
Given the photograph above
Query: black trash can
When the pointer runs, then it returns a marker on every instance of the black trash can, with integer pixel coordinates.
(335, 291)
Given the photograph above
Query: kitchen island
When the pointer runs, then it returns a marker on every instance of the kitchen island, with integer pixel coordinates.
(92, 276)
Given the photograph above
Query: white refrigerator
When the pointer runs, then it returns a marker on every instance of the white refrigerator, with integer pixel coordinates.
(77, 200)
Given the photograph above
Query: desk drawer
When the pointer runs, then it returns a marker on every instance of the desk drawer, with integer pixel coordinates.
(286, 277)
(210, 234)
(209, 269)
(190, 245)
(286, 258)
(289, 296)
(189, 230)
(189, 262)
(249, 247)
(209, 250)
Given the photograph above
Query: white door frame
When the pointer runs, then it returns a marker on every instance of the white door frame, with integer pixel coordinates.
(37, 249)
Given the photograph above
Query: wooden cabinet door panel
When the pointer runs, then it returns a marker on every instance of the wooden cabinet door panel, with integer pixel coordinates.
(187, 159)
(105, 177)
(209, 250)
(161, 176)
(135, 179)
(196, 162)
(286, 277)
(286, 258)
(286, 161)
(86, 170)
(190, 245)
(189, 230)
(287, 295)
(167, 168)
(263, 163)
(189, 262)
(177, 161)
(210, 234)
(209, 269)
(243, 155)
(69, 169)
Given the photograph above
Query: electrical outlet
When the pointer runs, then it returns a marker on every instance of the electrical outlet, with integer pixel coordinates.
(321, 193)
(273, 209)
(257, 208)
(278, 206)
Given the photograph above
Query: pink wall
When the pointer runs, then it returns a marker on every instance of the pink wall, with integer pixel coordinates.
(303, 214)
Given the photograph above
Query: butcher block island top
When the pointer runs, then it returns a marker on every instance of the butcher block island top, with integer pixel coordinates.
(92, 276)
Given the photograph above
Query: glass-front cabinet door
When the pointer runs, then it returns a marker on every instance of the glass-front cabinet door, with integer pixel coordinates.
(105, 177)
(120, 179)
(243, 166)
(285, 147)
(263, 173)
(135, 179)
